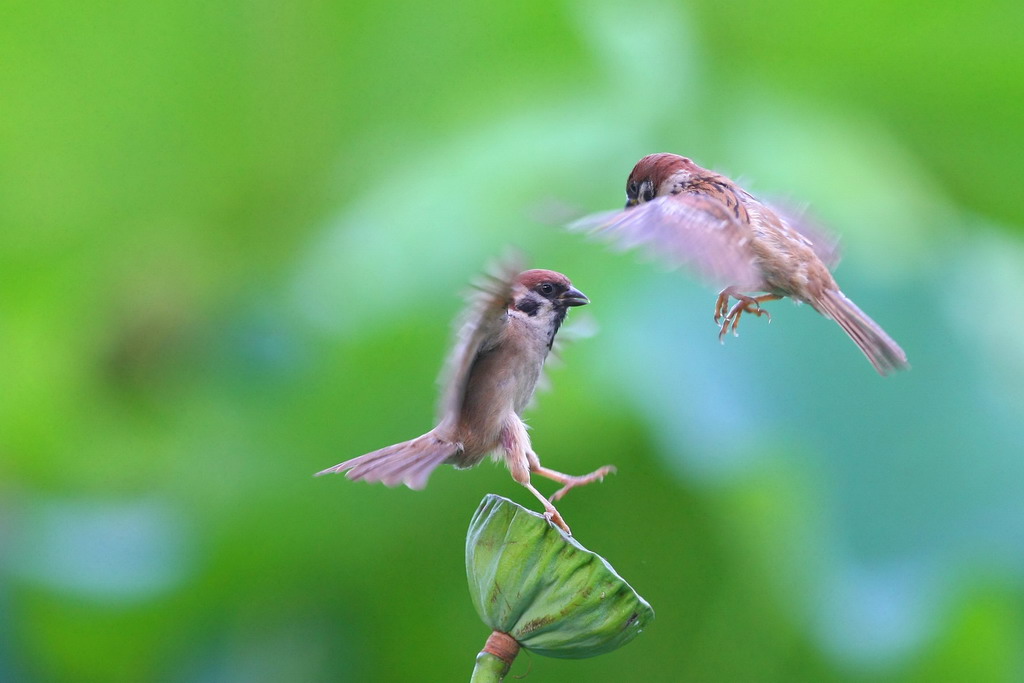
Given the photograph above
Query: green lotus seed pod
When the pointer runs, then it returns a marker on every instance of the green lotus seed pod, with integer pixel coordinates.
(553, 596)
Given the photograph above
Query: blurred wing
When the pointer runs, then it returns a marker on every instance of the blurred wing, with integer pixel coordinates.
(581, 326)
(694, 231)
(824, 243)
(479, 324)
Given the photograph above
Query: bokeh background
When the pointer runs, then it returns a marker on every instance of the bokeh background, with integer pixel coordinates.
(233, 237)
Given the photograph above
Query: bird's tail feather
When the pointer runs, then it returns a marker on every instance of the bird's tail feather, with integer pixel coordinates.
(409, 462)
(883, 352)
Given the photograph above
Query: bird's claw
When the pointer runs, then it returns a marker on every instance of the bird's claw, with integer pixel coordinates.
(553, 517)
(730, 317)
(572, 482)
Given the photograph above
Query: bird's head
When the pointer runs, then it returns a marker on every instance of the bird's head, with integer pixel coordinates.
(657, 175)
(541, 291)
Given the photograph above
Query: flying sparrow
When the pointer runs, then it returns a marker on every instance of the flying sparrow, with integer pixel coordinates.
(508, 329)
(699, 218)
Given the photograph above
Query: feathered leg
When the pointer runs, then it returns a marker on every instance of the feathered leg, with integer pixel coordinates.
(516, 444)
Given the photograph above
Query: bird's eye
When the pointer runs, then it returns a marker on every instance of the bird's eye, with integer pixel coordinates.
(546, 288)
(631, 189)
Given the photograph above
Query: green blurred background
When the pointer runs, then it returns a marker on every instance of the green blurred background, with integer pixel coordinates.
(232, 240)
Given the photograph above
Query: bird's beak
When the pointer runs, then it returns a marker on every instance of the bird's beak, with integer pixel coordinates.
(574, 297)
(630, 203)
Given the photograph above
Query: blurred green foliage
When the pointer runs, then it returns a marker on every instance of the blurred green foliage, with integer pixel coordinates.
(232, 237)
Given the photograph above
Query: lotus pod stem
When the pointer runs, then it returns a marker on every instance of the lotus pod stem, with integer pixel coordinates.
(494, 661)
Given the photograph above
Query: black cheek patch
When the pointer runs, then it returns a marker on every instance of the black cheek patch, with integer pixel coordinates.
(529, 306)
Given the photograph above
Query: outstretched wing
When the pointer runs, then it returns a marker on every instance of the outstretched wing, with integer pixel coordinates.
(481, 321)
(695, 231)
(824, 244)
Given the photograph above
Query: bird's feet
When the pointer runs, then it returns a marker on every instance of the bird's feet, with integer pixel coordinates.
(569, 482)
(730, 317)
(550, 513)
(554, 517)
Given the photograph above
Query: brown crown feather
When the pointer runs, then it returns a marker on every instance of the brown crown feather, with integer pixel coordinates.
(532, 278)
(658, 167)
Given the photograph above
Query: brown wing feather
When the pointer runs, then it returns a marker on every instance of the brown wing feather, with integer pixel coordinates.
(824, 243)
(484, 315)
(695, 231)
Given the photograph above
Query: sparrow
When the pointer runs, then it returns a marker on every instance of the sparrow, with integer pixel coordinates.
(702, 219)
(507, 331)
